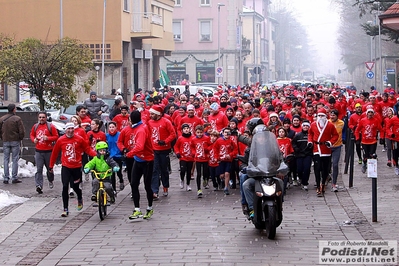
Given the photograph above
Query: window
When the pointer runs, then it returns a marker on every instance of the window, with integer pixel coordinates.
(205, 31)
(97, 50)
(205, 2)
(177, 26)
(178, 2)
(126, 5)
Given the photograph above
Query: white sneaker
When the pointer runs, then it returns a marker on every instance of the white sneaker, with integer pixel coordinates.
(334, 189)
(181, 184)
(384, 150)
(188, 188)
(295, 183)
(305, 188)
(396, 171)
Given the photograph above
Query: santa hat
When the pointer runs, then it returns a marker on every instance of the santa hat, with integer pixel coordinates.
(322, 111)
(273, 114)
(156, 109)
(370, 110)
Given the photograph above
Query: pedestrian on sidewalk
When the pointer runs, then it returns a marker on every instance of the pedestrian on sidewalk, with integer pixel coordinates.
(71, 147)
(44, 135)
(12, 132)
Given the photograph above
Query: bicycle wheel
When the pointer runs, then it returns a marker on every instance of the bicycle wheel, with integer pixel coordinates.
(101, 205)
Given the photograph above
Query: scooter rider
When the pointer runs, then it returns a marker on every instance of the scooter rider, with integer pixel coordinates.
(255, 125)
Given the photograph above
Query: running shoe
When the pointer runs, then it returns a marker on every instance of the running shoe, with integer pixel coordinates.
(148, 214)
(135, 215)
(155, 196)
(199, 193)
(80, 205)
(396, 171)
(188, 188)
(165, 191)
(181, 184)
(39, 190)
(51, 184)
(65, 213)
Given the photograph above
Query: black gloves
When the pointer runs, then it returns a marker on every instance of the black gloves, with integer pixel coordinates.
(382, 141)
(310, 145)
(178, 155)
(161, 143)
(328, 144)
(358, 142)
(393, 136)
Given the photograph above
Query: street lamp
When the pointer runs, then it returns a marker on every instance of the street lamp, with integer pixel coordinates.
(379, 44)
(97, 68)
(219, 5)
(103, 51)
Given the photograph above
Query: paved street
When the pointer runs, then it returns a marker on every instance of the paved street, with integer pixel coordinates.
(186, 230)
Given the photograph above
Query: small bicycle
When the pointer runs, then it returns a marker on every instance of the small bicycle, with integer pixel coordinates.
(102, 196)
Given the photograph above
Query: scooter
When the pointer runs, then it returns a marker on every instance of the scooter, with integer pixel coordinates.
(268, 205)
(265, 164)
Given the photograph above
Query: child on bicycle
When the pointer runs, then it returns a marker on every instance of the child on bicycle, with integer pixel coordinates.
(101, 164)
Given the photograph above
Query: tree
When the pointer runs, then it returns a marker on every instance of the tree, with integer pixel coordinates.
(367, 7)
(55, 72)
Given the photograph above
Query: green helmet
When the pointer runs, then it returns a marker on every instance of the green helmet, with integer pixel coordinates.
(101, 145)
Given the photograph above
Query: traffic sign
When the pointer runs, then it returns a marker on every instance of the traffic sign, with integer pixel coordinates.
(369, 65)
(219, 72)
(370, 74)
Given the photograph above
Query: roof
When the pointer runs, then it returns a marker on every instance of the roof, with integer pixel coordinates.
(390, 18)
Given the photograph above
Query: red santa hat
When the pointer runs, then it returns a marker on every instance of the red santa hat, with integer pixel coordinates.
(156, 109)
(322, 111)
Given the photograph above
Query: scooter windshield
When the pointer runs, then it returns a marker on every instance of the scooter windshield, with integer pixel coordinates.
(264, 157)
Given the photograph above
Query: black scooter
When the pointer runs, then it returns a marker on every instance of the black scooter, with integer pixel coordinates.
(268, 205)
(265, 163)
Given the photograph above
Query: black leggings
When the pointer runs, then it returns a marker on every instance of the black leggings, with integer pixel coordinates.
(321, 168)
(139, 169)
(202, 170)
(70, 177)
(369, 150)
(185, 170)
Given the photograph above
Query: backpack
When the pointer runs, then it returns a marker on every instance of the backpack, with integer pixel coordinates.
(48, 127)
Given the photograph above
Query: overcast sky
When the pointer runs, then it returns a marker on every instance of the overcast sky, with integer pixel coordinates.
(321, 20)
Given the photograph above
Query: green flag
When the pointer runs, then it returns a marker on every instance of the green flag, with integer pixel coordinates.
(163, 78)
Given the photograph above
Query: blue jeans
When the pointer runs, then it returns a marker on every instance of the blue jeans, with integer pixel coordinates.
(249, 190)
(335, 156)
(243, 177)
(160, 169)
(11, 147)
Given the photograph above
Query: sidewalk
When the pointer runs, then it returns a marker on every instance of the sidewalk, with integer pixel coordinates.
(186, 230)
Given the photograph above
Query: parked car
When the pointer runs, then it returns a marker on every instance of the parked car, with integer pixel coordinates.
(194, 89)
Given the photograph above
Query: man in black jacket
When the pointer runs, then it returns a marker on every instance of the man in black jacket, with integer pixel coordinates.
(303, 154)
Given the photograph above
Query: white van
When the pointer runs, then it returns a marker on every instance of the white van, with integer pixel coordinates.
(194, 89)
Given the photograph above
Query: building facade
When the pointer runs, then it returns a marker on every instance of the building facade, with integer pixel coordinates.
(219, 41)
(136, 34)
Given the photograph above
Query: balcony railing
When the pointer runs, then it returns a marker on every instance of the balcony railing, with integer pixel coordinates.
(141, 22)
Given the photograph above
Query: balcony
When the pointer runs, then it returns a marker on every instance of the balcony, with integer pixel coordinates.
(146, 25)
